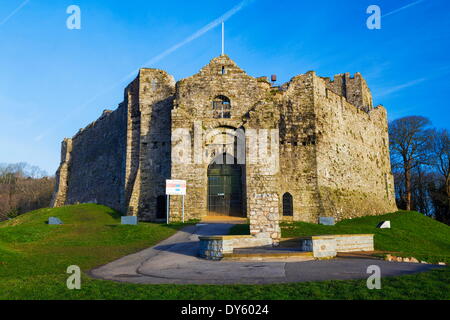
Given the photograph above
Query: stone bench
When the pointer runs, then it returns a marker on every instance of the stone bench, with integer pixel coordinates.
(327, 246)
(214, 247)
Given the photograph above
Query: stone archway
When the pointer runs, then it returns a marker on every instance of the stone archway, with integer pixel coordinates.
(225, 187)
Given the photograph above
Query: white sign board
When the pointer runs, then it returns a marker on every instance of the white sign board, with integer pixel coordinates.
(384, 225)
(176, 187)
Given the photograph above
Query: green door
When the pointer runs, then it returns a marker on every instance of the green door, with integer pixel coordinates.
(225, 190)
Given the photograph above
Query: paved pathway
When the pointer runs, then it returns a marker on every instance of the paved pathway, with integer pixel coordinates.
(175, 260)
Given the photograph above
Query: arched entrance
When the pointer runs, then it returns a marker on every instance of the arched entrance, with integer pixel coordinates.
(161, 207)
(225, 191)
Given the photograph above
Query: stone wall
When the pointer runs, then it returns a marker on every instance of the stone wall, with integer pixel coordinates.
(62, 175)
(215, 247)
(149, 141)
(353, 165)
(298, 160)
(96, 163)
(251, 109)
(327, 246)
(354, 242)
(353, 89)
(330, 147)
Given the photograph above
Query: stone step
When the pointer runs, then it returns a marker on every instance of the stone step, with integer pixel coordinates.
(307, 256)
(267, 253)
(359, 255)
(290, 243)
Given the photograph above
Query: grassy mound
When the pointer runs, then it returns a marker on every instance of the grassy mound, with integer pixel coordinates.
(34, 257)
(90, 236)
(411, 235)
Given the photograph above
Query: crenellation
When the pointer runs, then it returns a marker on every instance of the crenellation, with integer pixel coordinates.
(353, 88)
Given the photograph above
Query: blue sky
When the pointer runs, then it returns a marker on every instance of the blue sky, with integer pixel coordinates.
(54, 81)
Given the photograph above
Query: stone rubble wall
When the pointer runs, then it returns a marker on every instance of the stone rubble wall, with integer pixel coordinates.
(328, 246)
(352, 150)
(333, 147)
(133, 136)
(62, 175)
(356, 242)
(97, 160)
(354, 89)
(252, 108)
(298, 160)
(149, 141)
(193, 109)
(214, 247)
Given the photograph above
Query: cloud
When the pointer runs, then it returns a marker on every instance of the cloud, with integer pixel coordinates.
(23, 4)
(402, 8)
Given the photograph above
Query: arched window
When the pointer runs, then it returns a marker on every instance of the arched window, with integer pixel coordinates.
(221, 107)
(288, 205)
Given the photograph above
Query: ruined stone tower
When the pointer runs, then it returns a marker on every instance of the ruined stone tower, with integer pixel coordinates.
(311, 147)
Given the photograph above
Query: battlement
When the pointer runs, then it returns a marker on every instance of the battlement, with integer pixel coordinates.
(353, 88)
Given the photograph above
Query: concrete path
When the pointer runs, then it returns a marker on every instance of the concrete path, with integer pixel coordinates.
(175, 260)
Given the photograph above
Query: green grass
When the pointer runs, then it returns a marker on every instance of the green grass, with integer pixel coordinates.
(34, 257)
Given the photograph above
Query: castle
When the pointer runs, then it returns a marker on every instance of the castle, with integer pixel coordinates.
(312, 147)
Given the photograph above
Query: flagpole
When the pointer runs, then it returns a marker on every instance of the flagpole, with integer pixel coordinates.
(223, 38)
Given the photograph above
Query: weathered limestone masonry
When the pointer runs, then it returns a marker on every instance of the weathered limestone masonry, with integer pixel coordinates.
(353, 165)
(60, 194)
(214, 247)
(328, 246)
(252, 108)
(92, 163)
(149, 141)
(327, 149)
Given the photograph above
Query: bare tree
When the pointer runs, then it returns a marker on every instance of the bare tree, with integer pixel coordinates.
(441, 155)
(410, 143)
(440, 188)
(23, 188)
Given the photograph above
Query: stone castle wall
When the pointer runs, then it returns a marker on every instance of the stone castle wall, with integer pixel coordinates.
(298, 175)
(251, 109)
(93, 163)
(122, 153)
(353, 165)
(333, 153)
(62, 175)
(149, 141)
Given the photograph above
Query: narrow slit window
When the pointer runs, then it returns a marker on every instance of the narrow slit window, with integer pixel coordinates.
(288, 205)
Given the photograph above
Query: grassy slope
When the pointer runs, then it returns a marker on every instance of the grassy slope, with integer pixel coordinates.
(32, 250)
(34, 257)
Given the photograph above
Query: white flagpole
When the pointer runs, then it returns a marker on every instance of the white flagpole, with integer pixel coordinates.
(223, 38)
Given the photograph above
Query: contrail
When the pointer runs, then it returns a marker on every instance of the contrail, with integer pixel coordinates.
(227, 15)
(202, 31)
(14, 12)
(401, 87)
(402, 8)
